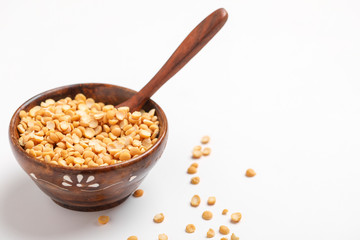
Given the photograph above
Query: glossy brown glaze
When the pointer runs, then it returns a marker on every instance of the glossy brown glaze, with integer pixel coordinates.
(89, 189)
(191, 45)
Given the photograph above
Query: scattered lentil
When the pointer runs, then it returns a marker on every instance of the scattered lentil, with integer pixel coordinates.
(197, 154)
(211, 200)
(195, 201)
(163, 236)
(224, 212)
(207, 215)
(159, 218)
(138, 193)
(192, 170)
(197, 148)
(250, 172)
(205, 139)
(224, 230)
(236, 217)
(234, 237)
(103, 219)
(195, 180)
(190, 228)
(196, 165)
(206, 151)
(210, 233)
(132, 238)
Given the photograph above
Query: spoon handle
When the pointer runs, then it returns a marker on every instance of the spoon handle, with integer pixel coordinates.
(191, 45)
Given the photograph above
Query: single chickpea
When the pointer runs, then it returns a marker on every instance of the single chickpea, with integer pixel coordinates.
(236, 217)
(80, 97)
(190, 228)
(205, 139)
(250, 173)
(196, 165)
(89, 133)
(159, 218)
(103, 219)
(64, 125)
(206, 151)
(163, 236)
(138, 193)
(224, 230)
(197, 148)
(196, 154)
(144, 134)
(22, 114)
(136, 115)
(21, 128)
(195, 180)
(207, 215)
(29, 144)
(225, 211)
(234, 237)
(211, 200)
(192, 170)
(195, 201)
(210, 233)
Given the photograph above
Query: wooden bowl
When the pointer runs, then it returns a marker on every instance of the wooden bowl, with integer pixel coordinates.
(91, 189)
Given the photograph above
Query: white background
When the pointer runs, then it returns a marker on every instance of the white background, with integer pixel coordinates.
(277, 90)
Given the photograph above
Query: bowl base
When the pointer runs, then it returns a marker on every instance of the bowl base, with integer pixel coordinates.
(91, 209)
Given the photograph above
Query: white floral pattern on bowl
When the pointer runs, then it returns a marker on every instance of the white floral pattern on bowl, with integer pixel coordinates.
(132, 178)
(68, 181)
(79, 182)
(42, 180)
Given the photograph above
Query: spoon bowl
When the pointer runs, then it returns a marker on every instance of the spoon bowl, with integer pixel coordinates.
(90, 189)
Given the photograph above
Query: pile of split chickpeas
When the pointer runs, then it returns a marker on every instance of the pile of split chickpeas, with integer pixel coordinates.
(82, 133)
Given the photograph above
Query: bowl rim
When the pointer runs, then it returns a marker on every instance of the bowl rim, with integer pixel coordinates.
(15, 143)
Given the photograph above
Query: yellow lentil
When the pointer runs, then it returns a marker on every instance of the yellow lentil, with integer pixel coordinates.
(207, 215)
(210, 233)
(197, 148)
(159, 218)
(211, 200)
(190, 228)
(250, 172)
(138, 193)
(224, 230)
(103, 219)
(234, 237)
(205, 139)
(192, 170)
(196, 165)
(197, 154)
(206, 151)
(195, 180)
(236, 217)
(163, 236)
(195, 201)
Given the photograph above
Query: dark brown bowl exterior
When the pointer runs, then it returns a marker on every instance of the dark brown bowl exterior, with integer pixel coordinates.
(91, 189)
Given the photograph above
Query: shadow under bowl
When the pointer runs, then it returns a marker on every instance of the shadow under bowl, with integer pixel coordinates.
(90, 189)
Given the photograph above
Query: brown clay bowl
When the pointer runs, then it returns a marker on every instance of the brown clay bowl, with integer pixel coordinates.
(90, 189)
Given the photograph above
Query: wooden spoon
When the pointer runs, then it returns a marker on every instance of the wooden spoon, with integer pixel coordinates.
(191, 45)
